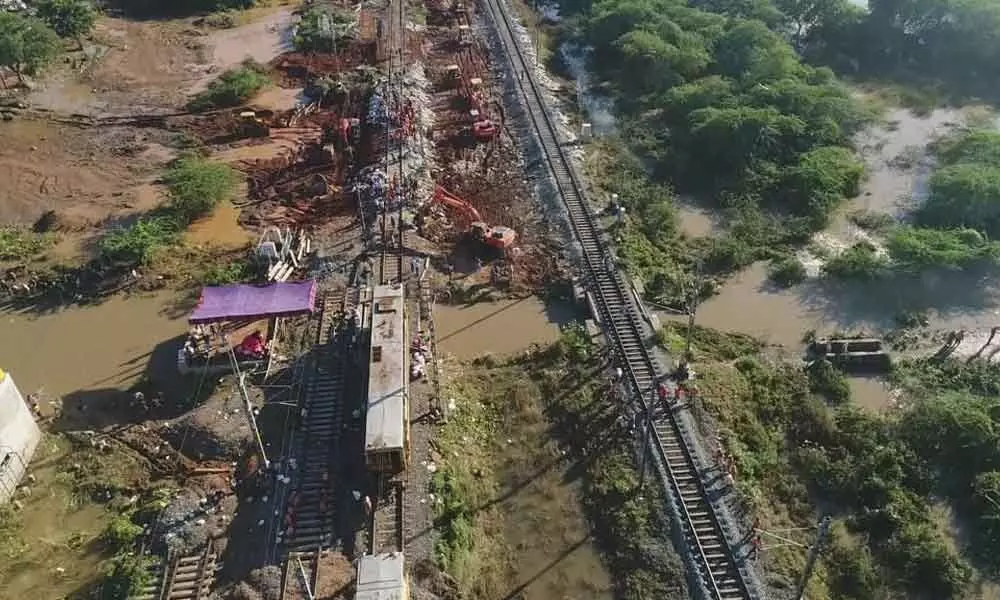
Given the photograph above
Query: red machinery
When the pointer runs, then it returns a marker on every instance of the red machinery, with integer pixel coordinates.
(497, 237)
(483, 129)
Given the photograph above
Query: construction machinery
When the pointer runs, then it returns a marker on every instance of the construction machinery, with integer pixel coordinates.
(251, 125)
(493, 237)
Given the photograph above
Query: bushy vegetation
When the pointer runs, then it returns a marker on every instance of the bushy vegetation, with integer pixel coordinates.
(234, 87)
(954, 227)
(27, 44)
(787, 271)
(139, 242)
(19, 244)
(948, 47)
(195, 186)
(965, 190)
(861, 261)
(124, 576)
(322, 30)
(721, 107)
(879, 474)
(68, 18)
(827, 381)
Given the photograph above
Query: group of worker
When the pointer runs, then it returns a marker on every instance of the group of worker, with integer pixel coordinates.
(726, 465)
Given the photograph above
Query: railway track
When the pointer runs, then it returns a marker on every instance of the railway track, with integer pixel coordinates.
(180, 578)
(386, 526)
(300, 576)
(711, 557)
(309, 513)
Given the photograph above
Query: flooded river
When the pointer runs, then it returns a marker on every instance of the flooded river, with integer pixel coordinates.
(92, 349)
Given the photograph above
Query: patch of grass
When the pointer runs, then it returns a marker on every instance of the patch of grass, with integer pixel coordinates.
(706, 342)
(121, 533)
(125, 575)
(142, 241)
(233, 88)
(21, 244)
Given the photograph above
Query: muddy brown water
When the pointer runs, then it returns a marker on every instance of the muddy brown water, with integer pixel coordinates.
(221, 229)
(94, 349)
(500, 327)
(60, 533)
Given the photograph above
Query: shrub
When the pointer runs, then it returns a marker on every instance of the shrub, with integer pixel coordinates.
(19, 244)
(827, 381)
(871, 220)
(232, 88)
(197, 185)
(69, 18)
(860, 261)
(919, 248)
(321, 30)
(787, 271)
(121, 533)
(232, 272)
(139, 243)
(124, 576)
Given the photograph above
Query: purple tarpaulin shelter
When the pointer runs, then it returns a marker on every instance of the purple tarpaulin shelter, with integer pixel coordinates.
(231, 302)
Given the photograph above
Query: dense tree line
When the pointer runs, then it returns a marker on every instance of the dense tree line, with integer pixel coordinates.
(951, 45)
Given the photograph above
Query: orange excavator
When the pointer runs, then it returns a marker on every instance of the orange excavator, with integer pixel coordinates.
(496, 237)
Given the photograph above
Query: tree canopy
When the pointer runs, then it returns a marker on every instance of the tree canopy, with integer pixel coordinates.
(68, 18)
(27, 44)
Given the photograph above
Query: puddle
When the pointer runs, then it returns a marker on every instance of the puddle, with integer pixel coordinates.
(695, 222)
(62, 534)
(262, 41)
(221, 228)
(555, 556)
(277, 146)
(871, 393)
(100, 348)
(499, 327)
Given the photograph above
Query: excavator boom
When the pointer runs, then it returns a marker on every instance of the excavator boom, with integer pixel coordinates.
(451, 200)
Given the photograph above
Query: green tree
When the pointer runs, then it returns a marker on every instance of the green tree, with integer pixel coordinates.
(69, 18)
(197, 185)
(27, 44)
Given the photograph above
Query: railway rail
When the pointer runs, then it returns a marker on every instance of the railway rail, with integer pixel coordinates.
(386, 526)
(712, 561)
(180, 578)
(300, 576)
(309, 514)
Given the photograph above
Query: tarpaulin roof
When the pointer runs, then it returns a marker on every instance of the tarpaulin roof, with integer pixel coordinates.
(230, 302)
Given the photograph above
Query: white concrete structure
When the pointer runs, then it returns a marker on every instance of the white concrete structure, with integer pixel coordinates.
(382, 577)
(19, 435)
